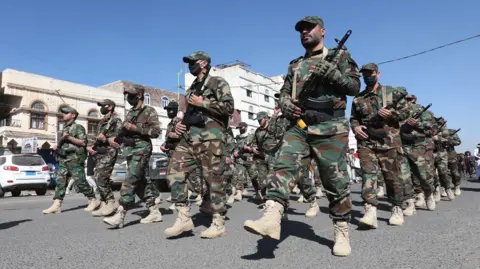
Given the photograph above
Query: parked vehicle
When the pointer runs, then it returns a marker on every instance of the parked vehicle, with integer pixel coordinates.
(119, 172)
(20, 172)
(158, 171)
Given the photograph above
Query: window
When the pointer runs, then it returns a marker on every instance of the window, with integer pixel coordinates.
(249, 93)
(39, 116)
(164, 101)
(250, 113)
(267, 98)
(92, 123)
(146, 99)
(3, 160)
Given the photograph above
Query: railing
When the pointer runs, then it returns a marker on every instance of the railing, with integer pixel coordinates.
(10, 123)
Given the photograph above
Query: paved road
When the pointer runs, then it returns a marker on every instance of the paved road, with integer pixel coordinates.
(445, 238)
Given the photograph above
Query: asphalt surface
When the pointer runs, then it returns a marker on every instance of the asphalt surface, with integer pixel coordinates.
(445, 238)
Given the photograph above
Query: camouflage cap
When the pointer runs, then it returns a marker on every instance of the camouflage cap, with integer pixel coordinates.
(134, 89)
(369, 67)
(197, 55)
(411, 96)
(68, 109)
(309, 20)
(106, 102)
(242, 124)
(172, 105)
(261, 115)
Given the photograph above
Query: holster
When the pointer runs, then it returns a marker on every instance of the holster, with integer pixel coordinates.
(320, 111)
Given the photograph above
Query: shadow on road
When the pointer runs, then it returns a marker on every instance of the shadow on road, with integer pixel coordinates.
(75, 208)
(267, 246)
(380, 206)
(469, 189)
(10, 224)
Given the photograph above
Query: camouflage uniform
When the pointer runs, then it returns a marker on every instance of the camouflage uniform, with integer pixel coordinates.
(325, 138)
(454, 174)
(109, 126)
(229, 168)
(380, 153)
(241, 162)
(205, 147)
(441, 178)
(259, 169)
(418, 145)
(71, 160)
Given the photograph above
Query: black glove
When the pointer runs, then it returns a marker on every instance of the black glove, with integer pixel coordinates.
(329, 72)
(291, 110)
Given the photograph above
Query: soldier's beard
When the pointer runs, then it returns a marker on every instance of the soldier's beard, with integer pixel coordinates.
(311, 43)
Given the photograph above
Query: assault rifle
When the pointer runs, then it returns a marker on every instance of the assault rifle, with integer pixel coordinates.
(439, 129)
(311, 84)
(98, 145)
(125, 136)
(456, 131)
(406, 129)
(377, 119)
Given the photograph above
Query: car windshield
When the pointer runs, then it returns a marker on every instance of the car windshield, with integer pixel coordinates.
(27, 160)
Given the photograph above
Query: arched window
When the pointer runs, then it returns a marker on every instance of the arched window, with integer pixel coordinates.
(92, 121)
(146, 97)
(38, 116)
(164, 101)
(60, 118)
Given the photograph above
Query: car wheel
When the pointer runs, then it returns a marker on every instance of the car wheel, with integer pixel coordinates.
(2, 193)
(41, 191)
(16, 193)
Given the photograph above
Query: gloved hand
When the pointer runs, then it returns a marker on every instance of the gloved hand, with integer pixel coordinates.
(291, 110)
(329, 72)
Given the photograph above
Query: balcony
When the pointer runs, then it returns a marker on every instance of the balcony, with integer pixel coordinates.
(10, 123)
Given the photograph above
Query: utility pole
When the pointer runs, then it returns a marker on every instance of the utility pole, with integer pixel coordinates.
(178, 83)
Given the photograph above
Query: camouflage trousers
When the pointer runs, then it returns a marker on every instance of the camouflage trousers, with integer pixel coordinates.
(421, 161)
(195, 181)
(138, 182)
(441, 177)
(104, 166)
(454, 173)
(76, 171)
(186, 158)
(239, 176)
(406, 178)
(293, 162)
(390, 162)
(228, 177)
(258, 172)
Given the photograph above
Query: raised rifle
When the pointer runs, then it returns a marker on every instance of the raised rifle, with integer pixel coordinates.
(377, 119)
(439, 129)
(311, 84)
(406, 129)
(124, 136)
(97, 146)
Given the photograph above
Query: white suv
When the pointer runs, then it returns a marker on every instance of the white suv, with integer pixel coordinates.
(23, 172)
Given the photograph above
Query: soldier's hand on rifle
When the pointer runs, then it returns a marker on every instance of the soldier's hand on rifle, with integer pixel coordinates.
(329, 71)
(385, 113)
(112, 142)
(130, 126)
(247, 148)
(360, 133)
(180, 128)
(65, 136)
(163, 148)
(435, 137)
(227, 160)
(235, 154)
(291, 110)
(195, 100)
(412, 122)
(101, 137)
(91, 151)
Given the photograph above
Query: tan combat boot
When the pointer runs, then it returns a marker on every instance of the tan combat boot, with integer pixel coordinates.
(109, 208)
(370, 217)
(449, 194)
(342, 240)
(183, 223)
(244, 192)
(238, 195)
(118, 219)
(169, 199)
(431, 204)
(380, 192)
(154, 216)
(301, 199)
(55, 208)
(443, 193)
(269, 224)
(313, 209)
(410, 210)
(93, 203)
(216, 229)
(296, 190)
(99, 211)
(420, 200)
(457, 191)
(231, 200)
(436, 194)
(397, 216)
(319, 193)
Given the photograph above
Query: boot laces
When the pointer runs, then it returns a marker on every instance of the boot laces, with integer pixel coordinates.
(340, 232)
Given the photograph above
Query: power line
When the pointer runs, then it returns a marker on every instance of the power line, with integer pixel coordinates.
(426, 51)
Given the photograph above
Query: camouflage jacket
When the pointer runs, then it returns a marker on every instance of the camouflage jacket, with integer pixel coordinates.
(349, 84)
(216, 108)
(453, 140)
(230, 143)
(171, 143)
(365, 107)
(442, 136)
(71, 151)
(277, 126)
(148, 127)
(114, 125)
(424, 128)
(240, 141)
(258, 142)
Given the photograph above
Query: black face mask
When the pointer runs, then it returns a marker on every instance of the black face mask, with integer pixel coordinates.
(243, 130)
(104, 110)
(195, 69)
(132, 99)
(171, 114)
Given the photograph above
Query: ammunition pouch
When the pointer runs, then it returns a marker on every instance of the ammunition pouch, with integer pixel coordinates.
(412, 139)
(196, 119)
(376, 134)
(320, 111)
